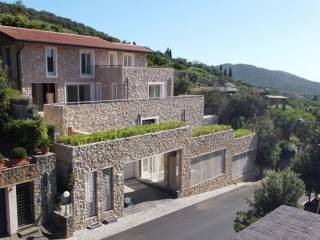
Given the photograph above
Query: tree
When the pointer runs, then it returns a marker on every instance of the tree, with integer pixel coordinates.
(168, 53)
(230, 73)
(225, 72)
(268, 151)
(19, 8)
(307, 165)
(280, 188)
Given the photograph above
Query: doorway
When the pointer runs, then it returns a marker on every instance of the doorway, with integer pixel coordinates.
(3, 216)
(24, 204)
(43, 93)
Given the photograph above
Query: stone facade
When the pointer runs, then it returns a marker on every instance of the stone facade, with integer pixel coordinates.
(97, 156)
(115, 153)
(124, 113)
(133, 82)
(41, 172)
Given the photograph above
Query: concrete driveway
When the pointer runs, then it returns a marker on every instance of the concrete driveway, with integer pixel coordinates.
(211, 219)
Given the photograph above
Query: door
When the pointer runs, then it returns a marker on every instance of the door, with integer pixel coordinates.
(24, 204)
(3, 217)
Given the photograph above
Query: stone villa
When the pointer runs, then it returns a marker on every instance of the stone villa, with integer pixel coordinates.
(84, 85)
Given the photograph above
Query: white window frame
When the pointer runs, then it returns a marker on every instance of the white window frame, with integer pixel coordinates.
(150, 118)
(161, 88)
(92, 89)
(132, 57)
(55, 50)
(92, 55)
(116, 92)
(115, 58)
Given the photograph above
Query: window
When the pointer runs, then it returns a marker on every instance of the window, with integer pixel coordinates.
(151, 120)
(78, 93)
(106, 189)
(87, 63)
(112, 58)
(8, 56)
(243, 163)
(207, 166)
(91, 194)
(51, 61)
(152, 168)
(155, 90)
(114, 91)
(128, 60)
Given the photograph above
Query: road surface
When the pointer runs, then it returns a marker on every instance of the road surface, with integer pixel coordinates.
(208, 220)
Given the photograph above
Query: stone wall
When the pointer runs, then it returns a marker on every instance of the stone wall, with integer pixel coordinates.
(42, 173)
(33, 66)
(197, 146)
(115, 153)
(124, 113)
(132, 82)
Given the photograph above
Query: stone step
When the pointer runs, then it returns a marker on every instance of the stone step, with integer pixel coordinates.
(28, 231)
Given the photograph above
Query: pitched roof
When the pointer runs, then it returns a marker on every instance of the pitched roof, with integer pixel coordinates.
(40, 36)
(283, 223)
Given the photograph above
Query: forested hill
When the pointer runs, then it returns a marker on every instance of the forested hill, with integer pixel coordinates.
(18, 15)
(279, 80)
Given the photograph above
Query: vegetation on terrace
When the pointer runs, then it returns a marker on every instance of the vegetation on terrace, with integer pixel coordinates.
(80, 139)
(241, 132)
(208, 129)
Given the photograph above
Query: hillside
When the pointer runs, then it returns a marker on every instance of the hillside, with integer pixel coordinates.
(278, 80)
(17, 15)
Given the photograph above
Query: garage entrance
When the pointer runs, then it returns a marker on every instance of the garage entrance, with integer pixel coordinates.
(3, 216)
(152, 178)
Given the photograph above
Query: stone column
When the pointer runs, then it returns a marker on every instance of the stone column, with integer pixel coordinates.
(12, 215)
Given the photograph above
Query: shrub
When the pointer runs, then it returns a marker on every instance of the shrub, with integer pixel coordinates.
(203, 130)
(80, 139)
(241, 132)
(18, 153)
(26, 133)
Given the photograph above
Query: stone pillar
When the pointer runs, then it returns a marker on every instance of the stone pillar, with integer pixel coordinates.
(12, 215)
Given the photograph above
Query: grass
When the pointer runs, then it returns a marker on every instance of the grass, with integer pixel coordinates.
(81, 139)
(207, 129)
(241, 132)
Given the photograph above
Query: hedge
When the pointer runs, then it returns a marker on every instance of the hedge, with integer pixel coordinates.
(80, 139)
(241, 132)
(207, 129)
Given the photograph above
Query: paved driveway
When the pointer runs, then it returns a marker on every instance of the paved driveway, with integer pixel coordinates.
(211, 219)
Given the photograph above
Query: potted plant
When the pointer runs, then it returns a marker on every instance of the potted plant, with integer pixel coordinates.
(18, 157)
(2, 162)
(44, 145)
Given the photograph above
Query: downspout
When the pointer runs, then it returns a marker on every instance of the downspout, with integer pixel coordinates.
(18, 67)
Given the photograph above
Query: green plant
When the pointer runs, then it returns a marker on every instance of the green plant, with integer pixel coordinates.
(280, 188)
(44, 141)
(208, 129)
(71, 182)
(18, 153)
(80, 139)
(1, 157)
(241, 132)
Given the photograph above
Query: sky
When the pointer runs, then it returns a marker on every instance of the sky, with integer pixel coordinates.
(274, 34)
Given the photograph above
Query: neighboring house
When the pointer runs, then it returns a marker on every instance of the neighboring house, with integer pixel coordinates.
(283, 223)
(116, 89)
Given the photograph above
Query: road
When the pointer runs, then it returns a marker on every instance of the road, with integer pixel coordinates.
(211, 219)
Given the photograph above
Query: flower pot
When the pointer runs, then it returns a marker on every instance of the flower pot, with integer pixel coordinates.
(44, 150)
(18, 162)
(2, 165)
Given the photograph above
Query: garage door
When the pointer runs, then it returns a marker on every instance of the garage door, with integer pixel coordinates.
(129, 170)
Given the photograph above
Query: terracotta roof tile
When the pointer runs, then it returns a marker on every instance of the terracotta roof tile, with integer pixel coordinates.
(39, 36)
